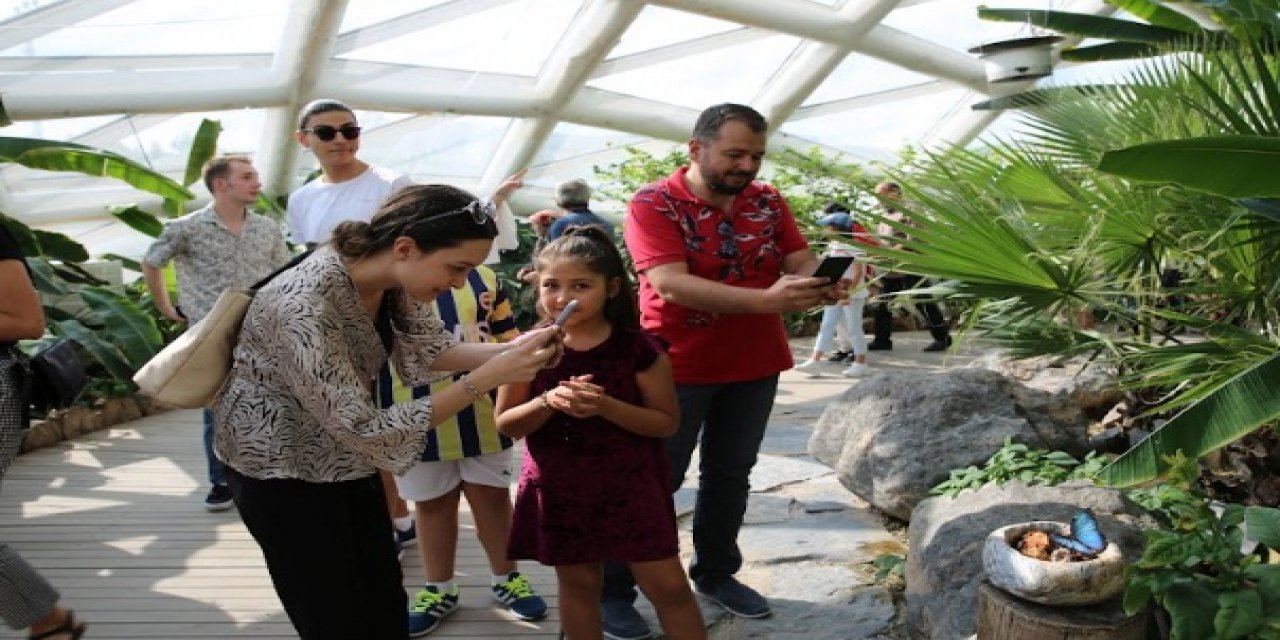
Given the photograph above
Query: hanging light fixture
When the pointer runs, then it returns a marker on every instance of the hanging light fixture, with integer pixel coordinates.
(1025, 58)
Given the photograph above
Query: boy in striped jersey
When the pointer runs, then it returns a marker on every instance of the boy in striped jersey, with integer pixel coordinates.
(465, 455)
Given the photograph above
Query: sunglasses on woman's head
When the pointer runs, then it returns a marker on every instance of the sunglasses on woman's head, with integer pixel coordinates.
(327, 133)
(480, 211)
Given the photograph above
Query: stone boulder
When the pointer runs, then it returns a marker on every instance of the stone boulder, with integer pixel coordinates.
(895, 435)
(1090, 385)
(944, 557)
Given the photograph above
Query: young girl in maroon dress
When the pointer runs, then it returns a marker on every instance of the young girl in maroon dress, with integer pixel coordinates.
(594, 487)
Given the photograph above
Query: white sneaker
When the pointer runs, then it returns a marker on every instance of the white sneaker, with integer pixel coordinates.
(855, 370)
(811, 367)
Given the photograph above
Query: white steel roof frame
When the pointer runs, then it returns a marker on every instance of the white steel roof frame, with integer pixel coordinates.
(308, 64)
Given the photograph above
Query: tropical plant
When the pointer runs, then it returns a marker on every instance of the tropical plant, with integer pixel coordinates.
(1204, 567)
(1015, 461)
(1042, 231)
(113, 328)
(1158, 29)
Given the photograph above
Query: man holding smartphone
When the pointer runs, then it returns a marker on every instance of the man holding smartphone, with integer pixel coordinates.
(720, 259)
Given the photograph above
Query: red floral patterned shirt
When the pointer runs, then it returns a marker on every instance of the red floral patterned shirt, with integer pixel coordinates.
(666, 223)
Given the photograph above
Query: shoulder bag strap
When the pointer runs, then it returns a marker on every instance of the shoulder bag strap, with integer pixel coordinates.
(291, 264)
(383, 322)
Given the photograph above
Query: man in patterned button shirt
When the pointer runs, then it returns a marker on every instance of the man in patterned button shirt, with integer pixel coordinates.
(220, 246)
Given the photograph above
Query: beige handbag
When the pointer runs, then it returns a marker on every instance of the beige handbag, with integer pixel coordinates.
(191, 370)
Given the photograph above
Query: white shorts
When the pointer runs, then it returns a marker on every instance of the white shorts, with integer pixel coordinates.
(430, 480)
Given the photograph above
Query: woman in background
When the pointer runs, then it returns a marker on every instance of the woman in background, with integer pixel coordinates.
(26, 599)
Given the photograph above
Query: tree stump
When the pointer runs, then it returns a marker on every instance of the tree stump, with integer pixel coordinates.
(1002, 616)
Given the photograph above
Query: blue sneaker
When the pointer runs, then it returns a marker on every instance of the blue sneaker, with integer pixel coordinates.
(619, 620)
(735, 597)
(518, 596)
(429, 608)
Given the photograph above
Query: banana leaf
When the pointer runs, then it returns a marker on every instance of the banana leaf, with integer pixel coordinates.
(100, 350)
(11, 147)
(58, 246)
(1038, 97)
(1157, 14)
(27, 243)
(1231, 166)
(129, 263)
(1244, 403)
(1089, 26)
(138, 220)
(1268, 207)
(45, 278)
(1112, 51)
(1264, 526)
(60, 156)
(203, 148)
(73, 273)
(129, 327)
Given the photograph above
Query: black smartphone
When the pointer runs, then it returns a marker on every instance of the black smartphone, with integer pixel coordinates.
(833, 267)
(566, 312)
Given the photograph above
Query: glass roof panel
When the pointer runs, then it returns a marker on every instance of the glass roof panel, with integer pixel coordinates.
(878, 132)
(165, 146)
(678, 59)
(509, 44)
(658, 27)
(363, 14)
(859, 75)
(436, 146)
(954, 23)
(14, 8)
(731, 74)
(572, 141)
(62, 129)
(149, 27)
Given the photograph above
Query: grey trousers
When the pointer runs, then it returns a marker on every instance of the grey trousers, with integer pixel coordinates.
(25, 596)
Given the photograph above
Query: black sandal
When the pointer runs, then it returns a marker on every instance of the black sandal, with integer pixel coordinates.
(69, 625)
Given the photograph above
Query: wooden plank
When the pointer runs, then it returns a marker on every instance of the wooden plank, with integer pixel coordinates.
(115, 521)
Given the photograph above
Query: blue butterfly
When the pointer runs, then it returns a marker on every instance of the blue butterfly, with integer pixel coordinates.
(1086, 539)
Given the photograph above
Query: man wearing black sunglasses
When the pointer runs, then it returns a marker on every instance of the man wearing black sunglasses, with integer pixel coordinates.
(348, 189)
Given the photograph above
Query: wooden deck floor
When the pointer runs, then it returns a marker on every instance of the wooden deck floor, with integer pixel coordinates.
(115, 520)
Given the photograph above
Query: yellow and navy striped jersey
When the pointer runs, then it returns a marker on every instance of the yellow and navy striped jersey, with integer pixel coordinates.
(478, 312)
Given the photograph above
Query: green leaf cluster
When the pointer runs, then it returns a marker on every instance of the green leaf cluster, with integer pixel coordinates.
(888, 565)
(1019, 462)
(1203, 567)
(116, 332)
(1105, 192)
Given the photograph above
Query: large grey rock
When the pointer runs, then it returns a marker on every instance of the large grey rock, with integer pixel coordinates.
(895, 435)
(1089, 385)
(944, 558)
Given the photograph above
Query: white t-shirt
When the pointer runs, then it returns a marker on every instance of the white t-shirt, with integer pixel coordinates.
(318, 206)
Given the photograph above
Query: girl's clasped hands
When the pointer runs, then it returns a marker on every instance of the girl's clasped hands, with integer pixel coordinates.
(578, 397)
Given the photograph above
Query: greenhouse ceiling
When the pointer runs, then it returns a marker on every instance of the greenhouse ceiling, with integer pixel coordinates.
(468, 91)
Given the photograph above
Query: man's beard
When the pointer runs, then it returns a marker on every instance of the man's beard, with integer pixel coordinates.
(719, 185)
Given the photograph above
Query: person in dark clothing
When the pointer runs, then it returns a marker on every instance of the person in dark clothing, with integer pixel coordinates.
(893, 282)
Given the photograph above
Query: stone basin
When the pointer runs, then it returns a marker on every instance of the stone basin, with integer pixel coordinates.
(1052, 583)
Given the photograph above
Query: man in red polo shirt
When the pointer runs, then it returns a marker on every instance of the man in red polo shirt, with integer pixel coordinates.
(720, 260)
